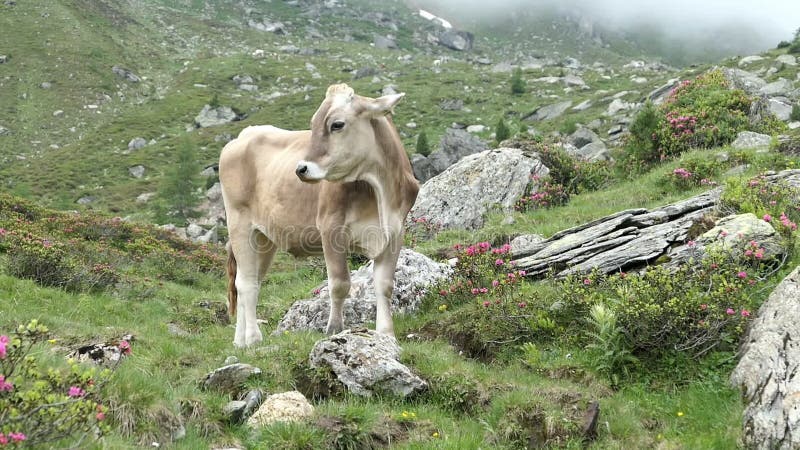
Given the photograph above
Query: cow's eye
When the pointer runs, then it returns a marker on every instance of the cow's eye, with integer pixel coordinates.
(337, 126)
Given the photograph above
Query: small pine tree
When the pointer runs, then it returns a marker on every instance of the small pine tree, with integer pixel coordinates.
(176, 200)
(517, 83)
(501, 131)
(423, 148)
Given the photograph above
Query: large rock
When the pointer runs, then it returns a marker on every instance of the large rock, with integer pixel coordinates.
(549, 112)
(618, 105)
(136, 171)
(781, 107)
(780, 87)
(367, 363)
(735, 232)
(209, 117)
(384, 42)
(744, 80)
(767, 372)
(621, 241)
(455, 144)
(422, 167)
(789, 60)
(456, 40)
(415, 273)
(583, 136)
(749, 139)
(594, 151)
(286, 407)
(491, 180)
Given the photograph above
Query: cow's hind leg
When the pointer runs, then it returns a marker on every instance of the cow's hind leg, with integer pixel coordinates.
(254, 253)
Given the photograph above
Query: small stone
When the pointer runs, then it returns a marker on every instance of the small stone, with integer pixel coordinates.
(231, 360)
(137, 143)
(229, 379)
(136, 171)
(285, 407)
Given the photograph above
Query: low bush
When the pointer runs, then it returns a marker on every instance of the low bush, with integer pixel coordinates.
(43, 403)
(700, 113)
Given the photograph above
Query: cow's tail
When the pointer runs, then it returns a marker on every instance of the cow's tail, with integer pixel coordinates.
(232, 294)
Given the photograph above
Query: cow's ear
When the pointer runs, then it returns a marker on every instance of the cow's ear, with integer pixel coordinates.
(382, 106)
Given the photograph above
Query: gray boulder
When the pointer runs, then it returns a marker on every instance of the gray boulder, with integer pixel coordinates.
(220, 115)
(384, 42)
(414, 274)
(364, 72)
(780, 87)
(126, 74)
(734, 232)
(451, 104)
(285, 407)
(454, 145)
(747, 60)
(229, 379)
(137, 143)
(493, 179)
(787, 59)
(456, 40)
(136, 171)
(744, 80)
(749, 139)
(659, 94)
(265, 25)
(549, 112)
(781, 107)
(238, 411)
(583, 136)
(768, 368)
(422, 167)
(526, 244)
(367, 363)
(594, 151)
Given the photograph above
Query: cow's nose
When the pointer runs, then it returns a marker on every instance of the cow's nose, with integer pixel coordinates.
(301, 170)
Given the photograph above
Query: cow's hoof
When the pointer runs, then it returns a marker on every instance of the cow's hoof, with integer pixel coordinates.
(332, 329)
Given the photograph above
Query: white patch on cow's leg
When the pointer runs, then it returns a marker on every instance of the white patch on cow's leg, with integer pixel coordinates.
(383, 274)
(247, 332)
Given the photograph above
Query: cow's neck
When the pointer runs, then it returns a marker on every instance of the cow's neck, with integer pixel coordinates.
(388, 180)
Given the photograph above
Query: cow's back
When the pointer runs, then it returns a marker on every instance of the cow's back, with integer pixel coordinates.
(259, 186)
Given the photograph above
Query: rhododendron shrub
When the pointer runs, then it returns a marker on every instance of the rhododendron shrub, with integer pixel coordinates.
(43, 403)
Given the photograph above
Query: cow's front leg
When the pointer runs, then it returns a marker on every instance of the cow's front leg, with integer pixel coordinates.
(383, 274)
(338, 281)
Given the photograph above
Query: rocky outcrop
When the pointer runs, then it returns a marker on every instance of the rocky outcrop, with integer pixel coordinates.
(454, 145)
(491, 180)
(768, 368)
(744, 80)
(367, 363)
(414, 274)
(622, 241)
(749, 139)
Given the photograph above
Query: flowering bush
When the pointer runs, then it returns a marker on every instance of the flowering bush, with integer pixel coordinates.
(700, 113)
(766, 199)
(82, 252)
(40, 405)
(694, 172)
(497, 308)
(420, 229)
(548, 195)
(695, 308)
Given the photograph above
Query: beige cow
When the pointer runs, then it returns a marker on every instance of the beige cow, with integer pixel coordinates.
(345, 185)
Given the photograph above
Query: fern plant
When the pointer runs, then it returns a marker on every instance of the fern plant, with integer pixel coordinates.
(609, 352)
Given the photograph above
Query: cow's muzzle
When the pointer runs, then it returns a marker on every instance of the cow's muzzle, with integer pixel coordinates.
(309, 172)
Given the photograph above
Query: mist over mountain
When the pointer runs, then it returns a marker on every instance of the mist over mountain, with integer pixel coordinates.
(681, 31)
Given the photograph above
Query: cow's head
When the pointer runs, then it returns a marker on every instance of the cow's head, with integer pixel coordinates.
(343, 144)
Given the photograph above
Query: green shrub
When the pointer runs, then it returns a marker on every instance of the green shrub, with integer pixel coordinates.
(41, 260)
(501, 132)
(783, 44)
(776, 202)
(795, 115)
(423, 148)
(43, 403)
(693, 172)
(699, 113)
(517, 82)
(568, 127)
